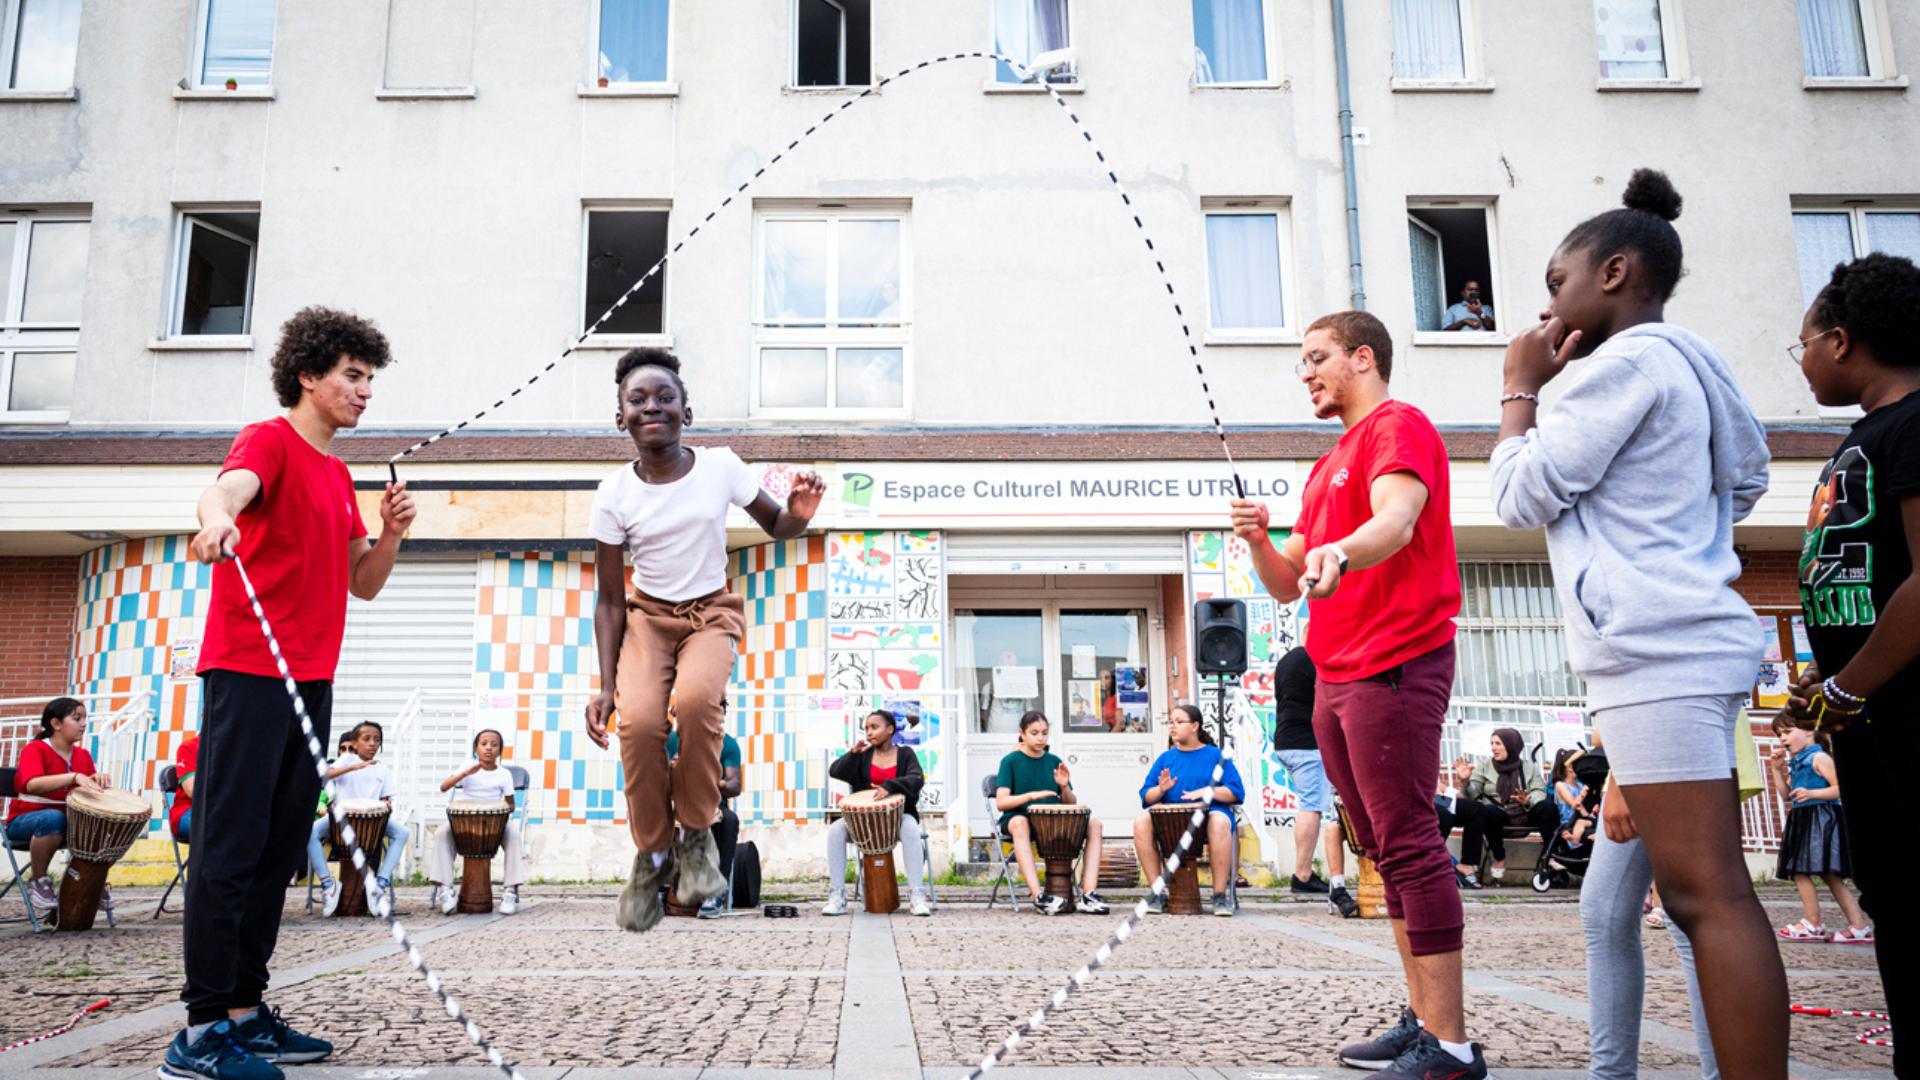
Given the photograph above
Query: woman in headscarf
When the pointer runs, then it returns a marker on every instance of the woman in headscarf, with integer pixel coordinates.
(1512, 785)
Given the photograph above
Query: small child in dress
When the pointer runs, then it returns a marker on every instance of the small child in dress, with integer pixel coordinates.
(1815, 840)
(1568, 792)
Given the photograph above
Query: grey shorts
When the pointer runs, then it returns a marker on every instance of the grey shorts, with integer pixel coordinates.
(1671, 741)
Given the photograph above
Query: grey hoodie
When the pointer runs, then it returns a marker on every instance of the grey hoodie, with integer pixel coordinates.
(1638, 473)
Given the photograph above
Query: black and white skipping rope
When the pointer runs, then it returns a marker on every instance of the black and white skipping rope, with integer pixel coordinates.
(1121, 932)
(1159, 264)
(384, 906)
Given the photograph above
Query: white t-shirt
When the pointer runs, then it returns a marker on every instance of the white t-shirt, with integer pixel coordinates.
(373, 782)
(677, 532)
(486, 785)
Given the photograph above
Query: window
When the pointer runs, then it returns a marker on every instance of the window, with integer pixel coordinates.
(1023, 29)
(832, 43)
(213, 274)
(1630, 38)
(1230, 43)
(1248, 268)
(1511, 655)
(233, 43)
(1428, 40)
(1826, 238)
(1452, 257)
(1088, 667)
(623, 244)
(43, 273)
(631, 41)
(39, 39)
(832, 313)
(1835, 39)
(429, 50)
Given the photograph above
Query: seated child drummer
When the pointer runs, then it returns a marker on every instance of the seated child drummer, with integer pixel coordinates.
(875, 762)
(359, 776)
(1182, 775)
(51, 766)
(485, 780)
(186, 761)
(1029, 776)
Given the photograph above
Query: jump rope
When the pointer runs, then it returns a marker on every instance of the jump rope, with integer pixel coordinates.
(1869, 1036)
(62, 1029)
(1121, 932)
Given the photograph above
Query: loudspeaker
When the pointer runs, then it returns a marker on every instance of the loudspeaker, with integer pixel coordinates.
(1220, 637)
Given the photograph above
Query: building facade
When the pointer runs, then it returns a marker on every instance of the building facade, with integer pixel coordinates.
(936, 298)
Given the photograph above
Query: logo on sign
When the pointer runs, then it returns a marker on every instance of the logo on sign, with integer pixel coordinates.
(858, 489)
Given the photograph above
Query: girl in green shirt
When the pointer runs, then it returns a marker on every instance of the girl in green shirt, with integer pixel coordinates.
(1031, 775)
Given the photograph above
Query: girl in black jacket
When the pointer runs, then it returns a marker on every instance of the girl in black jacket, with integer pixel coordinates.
(875, 762)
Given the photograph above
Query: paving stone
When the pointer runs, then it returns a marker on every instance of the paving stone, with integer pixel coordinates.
(1162, 943)
(505, 946)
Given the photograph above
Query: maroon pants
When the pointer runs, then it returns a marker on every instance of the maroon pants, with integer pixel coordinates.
(1380, 743)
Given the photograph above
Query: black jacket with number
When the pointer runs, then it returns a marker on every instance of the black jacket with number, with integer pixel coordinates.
(855, 769)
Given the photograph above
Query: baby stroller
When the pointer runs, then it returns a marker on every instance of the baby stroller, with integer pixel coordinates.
(1561, 861)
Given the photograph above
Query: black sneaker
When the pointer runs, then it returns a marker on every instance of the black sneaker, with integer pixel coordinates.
(1383, 1050)
(268, 1037)
(215, 1055)
(1091, 904)
(1049, 904)
(1340, 901)
(1313, 884)
(1426, 1059)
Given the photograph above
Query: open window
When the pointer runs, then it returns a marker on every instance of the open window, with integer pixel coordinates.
(1023, 29)
(1453, 268)
(39, 40)
(630, 41)
(213, 274)
(43, 273)
(832, 43)
(233, 43)
(622, 244)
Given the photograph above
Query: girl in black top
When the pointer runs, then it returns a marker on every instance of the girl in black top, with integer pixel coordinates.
(874, 762)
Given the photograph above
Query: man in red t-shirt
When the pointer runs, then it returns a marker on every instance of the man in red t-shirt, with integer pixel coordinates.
(185, 763)
(1373, 554)
(285, 506)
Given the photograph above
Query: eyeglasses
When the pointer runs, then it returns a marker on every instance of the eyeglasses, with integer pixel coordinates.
(1798, 351)
(1310, 362)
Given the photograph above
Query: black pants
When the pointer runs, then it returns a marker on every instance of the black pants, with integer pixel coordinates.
(1874, 763)
(254, 796)
(726, 836)
(1483, 823)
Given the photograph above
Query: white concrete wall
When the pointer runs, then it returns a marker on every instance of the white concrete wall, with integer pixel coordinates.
(456, 224)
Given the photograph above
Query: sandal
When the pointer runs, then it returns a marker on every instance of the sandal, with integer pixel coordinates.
(1657, 918)
(1854, 935)
(1803, 931)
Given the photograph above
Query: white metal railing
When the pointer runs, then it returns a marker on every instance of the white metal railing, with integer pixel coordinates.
(828, 718)
(120, 741)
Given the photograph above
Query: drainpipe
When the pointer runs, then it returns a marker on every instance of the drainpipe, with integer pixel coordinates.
(1346, 153)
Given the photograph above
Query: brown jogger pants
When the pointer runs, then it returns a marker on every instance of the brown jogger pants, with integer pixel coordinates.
(683, 651)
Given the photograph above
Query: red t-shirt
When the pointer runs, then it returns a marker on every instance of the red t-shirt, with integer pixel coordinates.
(877, 775)
(1391, 613)
(184, 764)
(293, 538)
(38, 759)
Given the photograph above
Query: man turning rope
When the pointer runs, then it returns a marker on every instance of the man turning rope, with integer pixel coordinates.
(1373, 553)
(285, 505)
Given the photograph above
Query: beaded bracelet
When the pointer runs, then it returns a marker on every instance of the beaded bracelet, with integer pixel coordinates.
(1831, 689)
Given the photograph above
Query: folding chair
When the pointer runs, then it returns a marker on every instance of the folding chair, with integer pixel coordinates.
(522, 779)
(19, 880)
(988, 786)
(170, 786)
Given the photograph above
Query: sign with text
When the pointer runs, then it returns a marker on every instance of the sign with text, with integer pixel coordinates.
(1038, 493)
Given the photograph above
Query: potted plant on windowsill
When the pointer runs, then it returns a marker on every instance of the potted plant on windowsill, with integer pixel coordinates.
(233, 84)
(603, 82)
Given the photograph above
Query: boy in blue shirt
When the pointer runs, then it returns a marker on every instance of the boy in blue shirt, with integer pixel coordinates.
(1182, 775)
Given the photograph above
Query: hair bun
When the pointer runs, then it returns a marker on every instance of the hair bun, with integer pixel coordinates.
(1651, 191)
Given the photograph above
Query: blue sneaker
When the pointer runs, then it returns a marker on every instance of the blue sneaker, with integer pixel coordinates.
(215, 1055)
(267, 1036)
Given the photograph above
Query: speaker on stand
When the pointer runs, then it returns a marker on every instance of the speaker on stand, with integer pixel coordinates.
(1220, 649)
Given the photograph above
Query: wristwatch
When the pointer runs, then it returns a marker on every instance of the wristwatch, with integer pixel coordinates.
(1341, 555)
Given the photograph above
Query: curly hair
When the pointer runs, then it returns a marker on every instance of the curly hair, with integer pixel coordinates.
(1352, 329)
(1877, 299)
(634, 359)
(1643, 226)
(314, 340)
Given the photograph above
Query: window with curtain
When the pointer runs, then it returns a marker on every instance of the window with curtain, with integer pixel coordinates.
(1833, 39)
(1229, 42)
(1628, 32)
(39, 40)
(1243, 271)
(1427, 43)
(43, 273)
(1429, 290)
(831, 325)
(236, 43)
(633, 41)
(1825, 238)
(1023, 29)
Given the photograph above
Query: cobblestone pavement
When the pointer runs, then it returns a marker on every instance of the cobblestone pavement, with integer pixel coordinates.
(556, 985)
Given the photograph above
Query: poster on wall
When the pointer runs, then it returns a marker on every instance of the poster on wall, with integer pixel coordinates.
(1016, 682)
(182, 658)
(1083, 704)
(1130, 686)
(1085, 660)
(1561, 729)
(914, 723)
(1771, 686)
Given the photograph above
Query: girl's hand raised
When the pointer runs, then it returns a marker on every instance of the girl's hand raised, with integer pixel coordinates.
(804, 500)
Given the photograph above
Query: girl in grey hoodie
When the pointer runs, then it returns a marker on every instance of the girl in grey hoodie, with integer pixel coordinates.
(1638, 475)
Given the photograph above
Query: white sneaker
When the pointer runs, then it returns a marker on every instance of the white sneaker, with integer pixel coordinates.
(40, 893)
(920, 905)
(106, 898)
(510, 901)
(449, 899)
(329, 897)
(836, 904)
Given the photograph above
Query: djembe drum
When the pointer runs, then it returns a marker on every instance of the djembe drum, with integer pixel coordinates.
(873, 824)
(369, 820)
(1169, 825)
(1370, 891)
(1059, 832)
(101, 826)
(479, 825)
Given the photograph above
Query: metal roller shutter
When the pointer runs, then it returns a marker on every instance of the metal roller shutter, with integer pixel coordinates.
(417, 634)
(1048, 552)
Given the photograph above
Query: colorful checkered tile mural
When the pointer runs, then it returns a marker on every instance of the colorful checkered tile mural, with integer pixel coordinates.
(783, 663)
